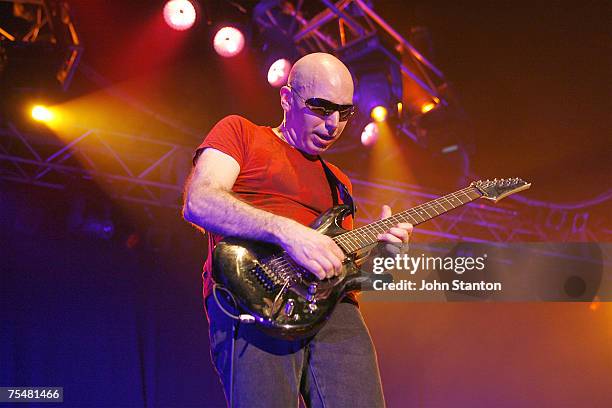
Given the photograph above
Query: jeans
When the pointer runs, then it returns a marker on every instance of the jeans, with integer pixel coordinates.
(335, 368)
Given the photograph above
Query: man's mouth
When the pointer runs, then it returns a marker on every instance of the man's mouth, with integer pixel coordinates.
(322, 141)
(325, 138)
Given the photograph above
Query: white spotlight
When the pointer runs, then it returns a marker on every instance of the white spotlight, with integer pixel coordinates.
(228, 41)
(279, 72)
(180, 14)
(369, 136)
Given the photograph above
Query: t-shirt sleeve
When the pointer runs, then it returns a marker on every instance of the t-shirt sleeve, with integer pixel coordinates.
(228, 136)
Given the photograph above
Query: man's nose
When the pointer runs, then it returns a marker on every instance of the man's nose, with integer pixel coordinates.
(332, 122)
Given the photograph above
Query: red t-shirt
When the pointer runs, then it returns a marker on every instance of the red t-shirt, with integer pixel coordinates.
(274, 176)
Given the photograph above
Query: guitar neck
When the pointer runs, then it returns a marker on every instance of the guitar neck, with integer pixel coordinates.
(354, 240)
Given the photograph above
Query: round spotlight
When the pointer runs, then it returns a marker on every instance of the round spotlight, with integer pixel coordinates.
(369, 136)
(279, 72)
(427, 107)
(180, 14)
(379, 113)
(41, 113)
(228, 41)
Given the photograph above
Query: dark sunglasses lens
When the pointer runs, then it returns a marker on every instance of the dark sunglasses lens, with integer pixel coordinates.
(319, 104)
(346, 113)
(319, 110)
(325, 108)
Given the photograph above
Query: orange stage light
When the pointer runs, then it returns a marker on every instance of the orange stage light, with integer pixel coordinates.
(427, 107)
(379, 113)
(41, 113)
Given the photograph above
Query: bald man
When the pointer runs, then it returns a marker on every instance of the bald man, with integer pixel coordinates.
(268, 184)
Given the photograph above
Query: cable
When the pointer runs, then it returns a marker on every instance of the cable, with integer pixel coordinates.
(242, 318)
(231, 388)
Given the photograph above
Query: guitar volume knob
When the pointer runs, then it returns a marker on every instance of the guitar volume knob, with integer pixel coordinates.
(312, 291)
(289, 307)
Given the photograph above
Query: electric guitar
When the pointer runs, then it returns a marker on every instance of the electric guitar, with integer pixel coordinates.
(289, 302)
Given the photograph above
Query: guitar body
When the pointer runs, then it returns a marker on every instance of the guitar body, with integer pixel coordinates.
(286, 300)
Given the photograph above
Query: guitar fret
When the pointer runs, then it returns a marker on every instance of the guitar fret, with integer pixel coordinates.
(448, 201)
(414, 214)
(379, 229)
(433, 207)
(466, 194)
(359, 236)
(412, 219)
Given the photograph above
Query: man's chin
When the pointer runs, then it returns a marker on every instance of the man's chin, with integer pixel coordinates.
(318, 149)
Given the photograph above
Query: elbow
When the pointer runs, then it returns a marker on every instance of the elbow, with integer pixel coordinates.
(190, 211)
(187, 213)
(200, 206)
(197, 206)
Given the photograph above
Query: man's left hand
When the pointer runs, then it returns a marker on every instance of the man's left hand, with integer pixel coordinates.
(396, 236)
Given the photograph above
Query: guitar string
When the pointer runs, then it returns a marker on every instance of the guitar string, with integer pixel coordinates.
(281, 262)
(412, 213)
(359, 236)
(415, 211)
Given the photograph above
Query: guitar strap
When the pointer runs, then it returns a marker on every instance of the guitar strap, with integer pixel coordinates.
(336, 186)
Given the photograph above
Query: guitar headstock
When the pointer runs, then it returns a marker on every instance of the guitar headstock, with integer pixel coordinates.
(497, 189)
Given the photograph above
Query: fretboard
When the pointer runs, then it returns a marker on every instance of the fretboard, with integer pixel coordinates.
(354, 240)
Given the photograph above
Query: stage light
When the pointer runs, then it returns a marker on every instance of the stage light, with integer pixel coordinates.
(228, 41)
(41, 113)
(279, 72)
(400, 109)
(369, 136)
(379, 113)
(180, 14)
(427, 107)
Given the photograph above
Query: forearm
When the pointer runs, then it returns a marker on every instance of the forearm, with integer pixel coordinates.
(219, 211)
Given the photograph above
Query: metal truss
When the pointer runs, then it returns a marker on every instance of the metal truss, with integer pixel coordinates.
(150, 172)
(44, 22)
(128, 167)
(349, 28)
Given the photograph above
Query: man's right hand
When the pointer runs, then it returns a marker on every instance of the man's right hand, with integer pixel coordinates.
(316, 252)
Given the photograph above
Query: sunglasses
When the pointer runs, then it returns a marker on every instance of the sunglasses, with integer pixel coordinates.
(323, 107)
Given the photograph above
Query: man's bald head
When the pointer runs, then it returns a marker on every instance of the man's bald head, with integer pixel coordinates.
(321, 75)
(317, 75)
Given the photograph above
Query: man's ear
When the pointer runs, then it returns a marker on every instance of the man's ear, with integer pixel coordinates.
(285, 98)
